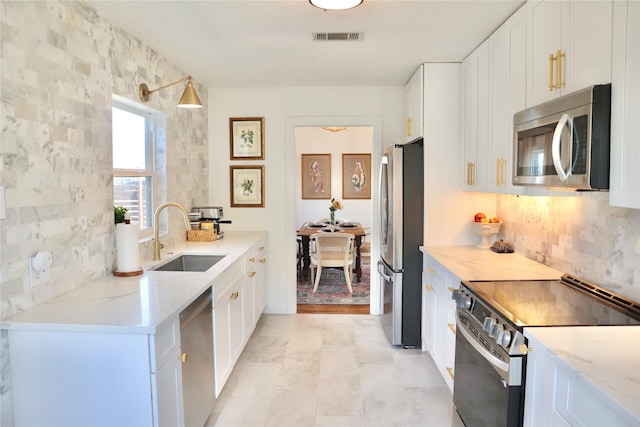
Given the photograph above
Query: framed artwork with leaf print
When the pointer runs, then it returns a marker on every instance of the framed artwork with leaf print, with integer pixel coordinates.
(247, 138)
(247, 186)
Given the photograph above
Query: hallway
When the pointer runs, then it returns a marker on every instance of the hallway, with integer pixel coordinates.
(309, 370)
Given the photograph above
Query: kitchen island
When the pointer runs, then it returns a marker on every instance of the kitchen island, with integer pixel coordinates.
(108, 353)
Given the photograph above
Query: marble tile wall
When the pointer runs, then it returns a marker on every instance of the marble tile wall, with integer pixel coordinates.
(578, 234)
(61, 64)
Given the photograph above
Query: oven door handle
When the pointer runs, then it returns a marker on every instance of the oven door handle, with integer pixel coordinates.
(565, 120)
(494, 361)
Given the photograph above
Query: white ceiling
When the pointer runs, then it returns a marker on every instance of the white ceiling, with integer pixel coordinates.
(269, 43)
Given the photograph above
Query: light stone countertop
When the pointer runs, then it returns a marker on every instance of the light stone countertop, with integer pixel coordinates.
(471, 263)
(138, 304)
(606, 360)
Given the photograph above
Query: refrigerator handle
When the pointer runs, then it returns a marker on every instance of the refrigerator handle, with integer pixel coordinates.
(382, 270)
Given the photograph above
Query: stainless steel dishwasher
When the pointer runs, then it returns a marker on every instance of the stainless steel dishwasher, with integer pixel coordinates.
(196, 340)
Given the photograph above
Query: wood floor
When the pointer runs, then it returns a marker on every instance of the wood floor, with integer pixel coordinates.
(333, 309)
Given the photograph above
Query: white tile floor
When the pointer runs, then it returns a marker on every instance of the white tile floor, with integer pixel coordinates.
(308, 370)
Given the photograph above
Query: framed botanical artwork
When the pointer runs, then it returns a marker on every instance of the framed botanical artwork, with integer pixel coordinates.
(247, 186)
(316, 176)
(356, 173)
(247, 138)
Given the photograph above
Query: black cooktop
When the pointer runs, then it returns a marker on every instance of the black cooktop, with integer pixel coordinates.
(566, 302)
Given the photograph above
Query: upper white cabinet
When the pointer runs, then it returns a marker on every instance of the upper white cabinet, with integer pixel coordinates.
(507, 95)
(568, 47)
(475, 90)
(413, 97)
(625, 108)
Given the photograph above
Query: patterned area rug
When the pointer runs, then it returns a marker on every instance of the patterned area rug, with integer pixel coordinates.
(332, 288)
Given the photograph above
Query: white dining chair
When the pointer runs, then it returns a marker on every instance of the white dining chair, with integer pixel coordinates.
(331, 250)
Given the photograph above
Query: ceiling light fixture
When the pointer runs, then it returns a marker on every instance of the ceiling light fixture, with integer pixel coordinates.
(336, 4)
(189, 98)
(333, 128)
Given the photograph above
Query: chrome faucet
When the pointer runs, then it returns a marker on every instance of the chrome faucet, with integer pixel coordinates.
(156, 226)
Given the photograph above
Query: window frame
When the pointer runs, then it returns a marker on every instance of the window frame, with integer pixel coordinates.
(153, 120)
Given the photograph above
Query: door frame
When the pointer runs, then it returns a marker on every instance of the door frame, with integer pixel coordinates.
(291, 123)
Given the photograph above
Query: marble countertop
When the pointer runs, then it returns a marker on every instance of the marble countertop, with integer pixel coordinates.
(136, 304)
(607, 360)
(471, 263)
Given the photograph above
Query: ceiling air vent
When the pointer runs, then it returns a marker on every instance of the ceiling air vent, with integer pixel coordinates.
(327, 37)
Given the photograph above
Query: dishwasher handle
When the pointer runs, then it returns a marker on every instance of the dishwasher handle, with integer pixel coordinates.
(195, 308)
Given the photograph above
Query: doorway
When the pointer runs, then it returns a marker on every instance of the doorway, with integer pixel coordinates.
(323, 136)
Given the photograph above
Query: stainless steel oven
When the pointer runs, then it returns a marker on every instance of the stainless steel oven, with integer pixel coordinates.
(490, 357)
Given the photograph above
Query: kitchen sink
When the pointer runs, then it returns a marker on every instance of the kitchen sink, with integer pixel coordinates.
(191, 263)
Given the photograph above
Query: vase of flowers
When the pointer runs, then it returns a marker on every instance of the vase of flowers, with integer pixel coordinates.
(335, 205)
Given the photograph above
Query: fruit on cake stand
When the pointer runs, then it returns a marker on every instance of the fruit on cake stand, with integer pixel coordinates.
(485, 228)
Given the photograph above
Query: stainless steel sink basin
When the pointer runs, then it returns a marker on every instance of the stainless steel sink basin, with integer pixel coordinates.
(191, 263)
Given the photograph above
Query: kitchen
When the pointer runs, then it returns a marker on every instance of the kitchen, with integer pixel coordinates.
(42, 200)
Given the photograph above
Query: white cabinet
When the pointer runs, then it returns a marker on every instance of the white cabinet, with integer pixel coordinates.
(438, 321)
(84, 378)
(413, 97)
(255, 295)
(228, 322)
(625, 106)
(568, 47)
(475, 89)
(557, 395)
(507, 93)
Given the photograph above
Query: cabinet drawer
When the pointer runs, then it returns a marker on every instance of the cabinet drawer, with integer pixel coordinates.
(255, 256)
(164, 343)
(222, 283)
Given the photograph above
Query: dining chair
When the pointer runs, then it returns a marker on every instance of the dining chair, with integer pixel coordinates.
(331, 250)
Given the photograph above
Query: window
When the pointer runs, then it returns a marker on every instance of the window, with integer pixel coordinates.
(135, 151)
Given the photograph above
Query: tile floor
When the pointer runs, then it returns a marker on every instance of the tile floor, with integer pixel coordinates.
(308, 370)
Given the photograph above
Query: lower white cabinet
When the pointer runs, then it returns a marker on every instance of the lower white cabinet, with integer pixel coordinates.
(438, 316)
(239, 300)
(98, 379)
(556, 395)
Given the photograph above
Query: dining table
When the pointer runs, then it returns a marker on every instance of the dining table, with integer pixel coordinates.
(311, 228)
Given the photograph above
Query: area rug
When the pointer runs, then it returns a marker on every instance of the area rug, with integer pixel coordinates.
(332, 288)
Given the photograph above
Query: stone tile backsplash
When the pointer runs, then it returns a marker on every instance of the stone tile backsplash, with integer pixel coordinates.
(61, 64)
(578, 234)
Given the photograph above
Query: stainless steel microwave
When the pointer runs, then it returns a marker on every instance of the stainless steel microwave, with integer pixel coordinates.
(564, 143)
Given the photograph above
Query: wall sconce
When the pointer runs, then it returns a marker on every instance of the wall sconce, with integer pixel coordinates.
(189, 98)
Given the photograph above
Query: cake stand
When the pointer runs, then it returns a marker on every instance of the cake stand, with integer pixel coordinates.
(485, 230)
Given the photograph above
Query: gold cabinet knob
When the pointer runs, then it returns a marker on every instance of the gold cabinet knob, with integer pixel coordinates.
(452, 328)
(253, 273)
(524, 349)
(183, 357)
(429, 287)
(261, 248)
(263, 260)
(252, 259)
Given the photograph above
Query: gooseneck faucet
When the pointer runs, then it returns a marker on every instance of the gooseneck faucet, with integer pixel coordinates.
(156, 226)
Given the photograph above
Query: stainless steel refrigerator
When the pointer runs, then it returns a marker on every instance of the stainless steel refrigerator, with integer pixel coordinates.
(402, 224)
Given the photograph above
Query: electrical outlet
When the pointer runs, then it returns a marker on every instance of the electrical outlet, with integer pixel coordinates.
(38, 278)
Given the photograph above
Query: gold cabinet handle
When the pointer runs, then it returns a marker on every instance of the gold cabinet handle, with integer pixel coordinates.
(234, 296)
(183, 357)
(450, 371)
(253, 273)
(551, 60)
(498, 172)
(503, 172)
(559, 82)
(468, 173)
(432, 271)
(408, 126)
(451, 289)
(524, 349)
(261, 248)
(252, 259)
(429, 287)
(451, 328)
(263, 260)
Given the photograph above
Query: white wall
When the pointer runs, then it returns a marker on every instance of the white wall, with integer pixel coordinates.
(315, 140)
(284, 109)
